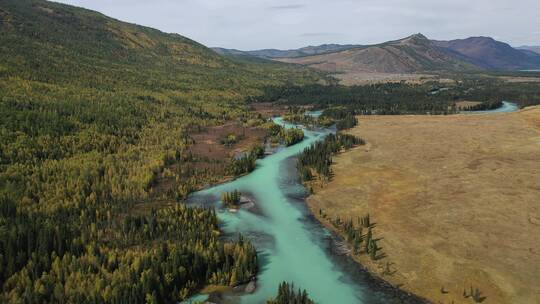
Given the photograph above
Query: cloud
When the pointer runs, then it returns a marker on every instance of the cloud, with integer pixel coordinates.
(287, 7)
(286, 24)
(318, 34)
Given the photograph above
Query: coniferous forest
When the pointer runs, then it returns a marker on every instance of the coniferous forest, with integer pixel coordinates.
(403, 98)
(94, 113)
(287, 294)
(316, 159)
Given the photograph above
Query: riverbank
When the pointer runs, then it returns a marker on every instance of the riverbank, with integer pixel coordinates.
(292, 246)
(454, 201)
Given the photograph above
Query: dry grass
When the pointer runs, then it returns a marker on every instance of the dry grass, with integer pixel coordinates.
(456, 200)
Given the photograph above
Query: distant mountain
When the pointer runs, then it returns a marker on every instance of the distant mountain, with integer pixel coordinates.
(412, 54)
(491, 54)
(275, 53)
(417, 53)
(535, 49)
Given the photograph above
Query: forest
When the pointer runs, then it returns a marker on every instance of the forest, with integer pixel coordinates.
(404, 98)
(483, 106)
(42, 264)
(96, 113)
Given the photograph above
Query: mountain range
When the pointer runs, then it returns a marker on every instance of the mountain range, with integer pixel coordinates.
(532, 48)
(275, 53)
(415, 53)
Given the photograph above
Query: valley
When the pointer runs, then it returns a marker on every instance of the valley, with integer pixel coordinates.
(141, 166)
(413, 59)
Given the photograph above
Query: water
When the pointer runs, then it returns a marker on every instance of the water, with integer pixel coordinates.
(292, 246)
(505, 108)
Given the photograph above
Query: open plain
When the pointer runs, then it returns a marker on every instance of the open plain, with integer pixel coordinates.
(456, 201)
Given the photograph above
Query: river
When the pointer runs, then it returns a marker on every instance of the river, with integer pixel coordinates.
(292, 245)
(505, 108)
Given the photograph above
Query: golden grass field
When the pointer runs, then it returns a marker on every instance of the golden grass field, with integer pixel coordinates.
(456, 201)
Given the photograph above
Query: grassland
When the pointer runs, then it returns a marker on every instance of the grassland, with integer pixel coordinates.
(456, 201)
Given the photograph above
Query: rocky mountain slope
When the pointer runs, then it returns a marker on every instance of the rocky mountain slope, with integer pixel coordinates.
(491, 54)
(420, 54)
(412, 54)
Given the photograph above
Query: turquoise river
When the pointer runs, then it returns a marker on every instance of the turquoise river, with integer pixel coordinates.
(291, 244)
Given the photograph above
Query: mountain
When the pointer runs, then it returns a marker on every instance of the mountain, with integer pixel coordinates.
(56, 43)
(417, 53)
(535, 49)
(412, 54)
(491, 54)
(275, 53)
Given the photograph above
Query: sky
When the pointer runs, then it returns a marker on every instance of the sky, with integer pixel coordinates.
(257, 24)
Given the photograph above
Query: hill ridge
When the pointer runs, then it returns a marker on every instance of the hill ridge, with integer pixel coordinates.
(414, 53)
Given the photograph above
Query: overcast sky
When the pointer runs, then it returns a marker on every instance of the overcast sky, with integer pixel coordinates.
(256, 24)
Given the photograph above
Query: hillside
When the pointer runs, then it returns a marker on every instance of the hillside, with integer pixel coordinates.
(99, 118)
(275, 53)
(74, 43)
(412, 54)
(491, 54)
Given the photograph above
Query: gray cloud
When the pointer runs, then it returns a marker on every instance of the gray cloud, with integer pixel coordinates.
(287, 7)
(318, 34)
(255, 24)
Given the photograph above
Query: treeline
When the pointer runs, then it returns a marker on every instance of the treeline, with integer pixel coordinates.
(492, 91)
(318, 157)
(288, 295)
(361, 243)
(343, 117)
(382, 99)
(187, 254)
(402, 98)
(484, 106)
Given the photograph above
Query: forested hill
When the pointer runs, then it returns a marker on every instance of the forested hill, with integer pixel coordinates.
(52, 42)
(95, 113)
